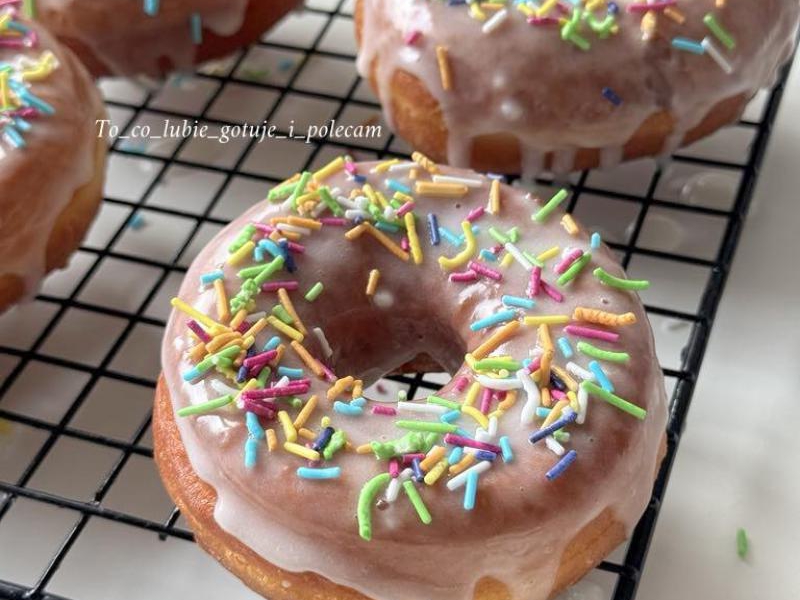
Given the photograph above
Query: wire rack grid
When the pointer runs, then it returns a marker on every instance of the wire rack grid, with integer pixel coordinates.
(78, 489)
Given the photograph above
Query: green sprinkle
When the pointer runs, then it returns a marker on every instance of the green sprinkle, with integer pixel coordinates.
(338, 441)
(624, 405)
(205, 407)
(719, 31)
(269, 270)
(413, 441)
(574, 269)
(428, 426)
(250, 272)
(499, 237)
(315, 291)
(561, 436)
(29, 8)
(413, 495)
(601, 354)
(281, 192)
(495, 364)
(244, 236)
(742, 543)
(624, 284)
(300, 189)
(365, 501)
(282, 314)
(551, 205)
(532, 259)
(443, 402)
(226, 354)
(263, 376)
(513, 234)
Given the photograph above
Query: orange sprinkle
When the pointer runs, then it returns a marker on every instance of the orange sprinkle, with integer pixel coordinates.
(547, 360)
(305, 412)
(272, 440)
(496, 339)
(434, 456)
(238, 319)
(600, 317)
(372, 283)
(547, 401)
(309, 360)
(444, 68)
(463, 464)
(545, 339)
(339, 386)
(286, 302)
(223, 312)
(675, 15)
(358, 388)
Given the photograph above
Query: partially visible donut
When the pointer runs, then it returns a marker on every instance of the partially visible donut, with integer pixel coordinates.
(521, 98)
(128, 37)
(278, 318)
(52, 160)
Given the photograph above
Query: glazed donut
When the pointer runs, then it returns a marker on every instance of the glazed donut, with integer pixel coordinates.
(567, 86)
(553, 421)
(132, 37)
(52, 161)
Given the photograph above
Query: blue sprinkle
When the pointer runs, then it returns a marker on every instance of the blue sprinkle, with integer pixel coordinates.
(250, 452)
(449, 236)
(687, 45)
(471, 490)
(487, 254)
(254, 426)
(611, 96)
(462, 238)
(196, 23)
(270, 247)
(347, 409)
(290, 373)
(360, 402)
(323, 439)
(258, 254)
(273, 343)
(22, 124)
(505, 445)
(285, 65)
(450, 416)
(601, 376)
(433, 229)
(555, 426)
(596, 240)
(542, 412)
(526, 303)
(566, 349)
(526, 362)
(386, 226)
(151, 7)
(288, 259)
(14, 137)
(136, 221)
(211, 277)
(463, 432)
(498, 317)
(359, 179)
(485, 455)
(613, 8)
(415, 466)
(562, 465)
(241, 374)
(311, 473)
(455, 456)
(396, 186)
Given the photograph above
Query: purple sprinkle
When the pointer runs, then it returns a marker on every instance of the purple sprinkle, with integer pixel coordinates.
(561, 465)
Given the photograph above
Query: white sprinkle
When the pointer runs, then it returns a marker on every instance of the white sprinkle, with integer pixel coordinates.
(256, 316)
(583, 405)
(389, 213)
(714, 53)
(518, 256)
(405, 166)
(393, 489)
(580, 372)
(482, 435)
(383, 299)
(553, 445)
(533, 397)
(492, 431)
(346, 202)
(460, 479)
(222, 389)
(293, 228)
(502, 385)
(473, 183)
(495, 22)
(323, 342)
(419, 407)
(511, 109)
(353, 214)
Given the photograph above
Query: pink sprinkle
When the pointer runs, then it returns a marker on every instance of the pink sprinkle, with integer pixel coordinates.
(542, 21)
(274, 286)
(243, 326)
(26, 112)
(333, 221)
(330, 376)
(641, 7)
(263, 228)
(567, 261)
(260, 359)
(409, 458)
(350, 168)
(535, 364)
(411, 37)
(198, 331)
(394, 468)
(380, 409)
(552, 292)
(557, 394)
(482, 269)
(535, 282)
(261, 408)
(404, 243)
(563, 8)
(463, 277)
(295, 247)
(497, 249)
(475, 214)
(460, 440)
(461, 383)
(405, 208)
(486, 400)
(591, 332)
(300, 386)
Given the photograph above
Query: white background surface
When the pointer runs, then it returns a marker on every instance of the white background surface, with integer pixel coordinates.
(736, 466)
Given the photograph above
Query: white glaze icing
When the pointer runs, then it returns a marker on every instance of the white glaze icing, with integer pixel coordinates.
(39, 180)
(561, 86)
(514, 535)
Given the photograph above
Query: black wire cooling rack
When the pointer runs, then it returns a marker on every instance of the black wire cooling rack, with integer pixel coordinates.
(305, 65)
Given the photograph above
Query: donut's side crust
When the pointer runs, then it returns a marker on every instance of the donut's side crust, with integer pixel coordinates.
(196, 500)
(419, 120)
(259, 17)
(69, 229)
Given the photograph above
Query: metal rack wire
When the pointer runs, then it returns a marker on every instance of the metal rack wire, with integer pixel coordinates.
(129, 319)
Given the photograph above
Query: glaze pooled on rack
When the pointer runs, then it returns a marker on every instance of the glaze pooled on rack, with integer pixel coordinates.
(524, 87)
(494, 480)
(51, 157)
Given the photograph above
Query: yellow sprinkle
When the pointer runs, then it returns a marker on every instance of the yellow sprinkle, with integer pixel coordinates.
(545, 339)
(250, 385)
(494, 197)
(548, 319)
(439, 189)
(339, 386)
(325, 421)
(548, 254)
(272, 440)
(382, 200)
(358, 389)
(356, 232)
(572, 385)
(241, 254)
(648, 23)
(222, 340)
(285, 329)
(555, 414)
(476, 12)
(304, 222)
(573, 401)
(413, 238)
(720, 3)
(255, 328)
(306, 412)
(434, 455)
(288, 427)
(547, 401)
(198, 352)
(472, 394)
(333, 167)
(372, 282)
(248, 341)
(286, 302)
(593, 5)
(425, 162)
(436, 472)
(600, 317)
(494, 341)
(43, 67)
(238, 319)
(386, 241)
(301, 451)
(547, 361)
(223, 312)
(462, 257)
(364, 449)
(675, 15)
(444, 68)
(413, 174)
(569, 224)
(309, 360)
(526, 10)
(507, 261)
(403, 198)
(195, 314)
(370, 194)
(463, 464)
(546, 7)
(307, 434)
(477, 415)
(385, 165)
